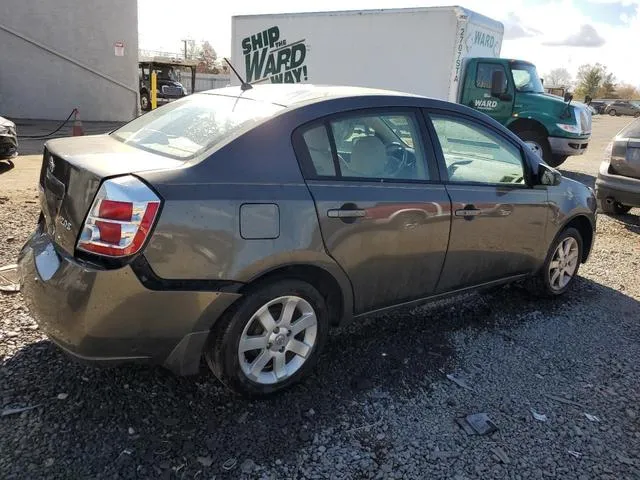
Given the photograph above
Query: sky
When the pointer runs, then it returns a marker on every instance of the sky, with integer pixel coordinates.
(549, 33)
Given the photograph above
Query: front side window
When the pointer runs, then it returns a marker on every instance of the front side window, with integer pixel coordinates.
(374, 147)
(485, 75)
(189, 126)
(525, 78)
(474, 154)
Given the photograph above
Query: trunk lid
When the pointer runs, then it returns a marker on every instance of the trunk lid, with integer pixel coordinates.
(71, 173)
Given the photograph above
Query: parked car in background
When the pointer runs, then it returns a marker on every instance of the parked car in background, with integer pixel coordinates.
(618, 182)
(242, 225)
(8, 139)
(622, 107)
(598, 106)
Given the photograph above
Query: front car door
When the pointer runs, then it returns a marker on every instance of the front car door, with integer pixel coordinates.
(477, 91)
(384, 215)
(498, 223)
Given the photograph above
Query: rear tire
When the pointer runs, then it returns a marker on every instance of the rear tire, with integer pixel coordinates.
(636, 115)
(254, 356)
(558, 268)
(538, 143)
(614, 208)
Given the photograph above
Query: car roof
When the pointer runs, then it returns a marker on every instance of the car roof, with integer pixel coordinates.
(296, 94)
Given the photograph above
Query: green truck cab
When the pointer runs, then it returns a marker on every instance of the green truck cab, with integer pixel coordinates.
(511, 92)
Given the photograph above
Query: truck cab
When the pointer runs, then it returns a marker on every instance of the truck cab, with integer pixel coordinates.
(511, 92)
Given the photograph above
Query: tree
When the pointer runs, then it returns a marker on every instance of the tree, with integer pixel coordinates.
(608, 87)
(193, 50)
(595, 81)
(558, 77)
(207, 58)
(628, 92)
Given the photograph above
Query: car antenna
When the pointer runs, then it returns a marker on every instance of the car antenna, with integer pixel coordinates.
(244, 84)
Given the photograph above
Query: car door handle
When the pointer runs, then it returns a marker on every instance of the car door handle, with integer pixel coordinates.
(468, 212)
(344, 213)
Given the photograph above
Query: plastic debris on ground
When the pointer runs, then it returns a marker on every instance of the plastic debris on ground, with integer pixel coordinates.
(574, 453)
(477, 424)
(9, 281)
(539, 416)
(591, 418)
(460, 381)
(15, 411)
(229, 464)
(501, 455)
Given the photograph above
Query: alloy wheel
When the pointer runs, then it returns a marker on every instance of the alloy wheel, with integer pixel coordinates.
(278, 340)
(564, 264)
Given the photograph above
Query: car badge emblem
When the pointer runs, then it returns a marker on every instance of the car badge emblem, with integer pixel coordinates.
(52, 165)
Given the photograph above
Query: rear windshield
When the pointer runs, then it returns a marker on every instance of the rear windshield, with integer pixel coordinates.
(189, 126)
(631, 131)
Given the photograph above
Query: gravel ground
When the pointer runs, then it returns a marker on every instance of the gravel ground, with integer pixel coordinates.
(380, 404)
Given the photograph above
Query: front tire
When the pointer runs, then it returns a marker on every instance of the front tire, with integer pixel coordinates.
(539, 144)
(271, 339)
(612, 112)
(145, 102)
(561, 266)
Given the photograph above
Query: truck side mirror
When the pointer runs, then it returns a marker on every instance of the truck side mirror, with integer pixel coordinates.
(498, 80)
(568, 97)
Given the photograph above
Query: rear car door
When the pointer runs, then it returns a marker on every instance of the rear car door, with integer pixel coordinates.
(498, 223)
(384, 215)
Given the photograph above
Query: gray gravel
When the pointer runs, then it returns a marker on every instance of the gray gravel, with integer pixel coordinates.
(380, 405)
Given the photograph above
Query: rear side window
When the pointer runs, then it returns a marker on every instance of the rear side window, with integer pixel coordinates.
(631, 131)
(187, 127)
(374, 147)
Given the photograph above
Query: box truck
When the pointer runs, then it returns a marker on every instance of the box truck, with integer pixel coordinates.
(449, 53)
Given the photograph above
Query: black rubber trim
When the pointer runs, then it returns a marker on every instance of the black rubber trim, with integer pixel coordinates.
(150, 280)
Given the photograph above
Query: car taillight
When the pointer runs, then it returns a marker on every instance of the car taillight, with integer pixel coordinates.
(120, 219)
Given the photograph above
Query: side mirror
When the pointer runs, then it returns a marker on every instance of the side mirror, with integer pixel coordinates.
(548, 176)
(568, 97)
(542, 81)
(498, 80)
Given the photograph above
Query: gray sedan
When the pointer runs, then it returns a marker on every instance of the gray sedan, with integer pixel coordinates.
(243, 225)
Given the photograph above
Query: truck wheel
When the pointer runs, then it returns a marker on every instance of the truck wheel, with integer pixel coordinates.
(538, 144)
(145, 102)
(612, 112)
(557, 160)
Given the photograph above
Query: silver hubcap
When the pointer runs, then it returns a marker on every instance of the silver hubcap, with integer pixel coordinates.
(564, 263)
(277, 340)
(144, 102)
(535, 147)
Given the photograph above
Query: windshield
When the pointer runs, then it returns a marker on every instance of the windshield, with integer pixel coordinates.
(167, 73)
(187, 127)
(525, 78)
